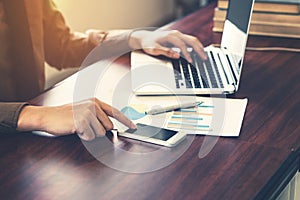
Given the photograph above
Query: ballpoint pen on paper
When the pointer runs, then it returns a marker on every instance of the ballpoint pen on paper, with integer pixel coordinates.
(156, 111)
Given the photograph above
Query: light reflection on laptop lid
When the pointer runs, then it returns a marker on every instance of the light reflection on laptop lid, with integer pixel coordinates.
(236, 28)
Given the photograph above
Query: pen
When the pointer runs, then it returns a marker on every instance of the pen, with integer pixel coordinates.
(156, 111)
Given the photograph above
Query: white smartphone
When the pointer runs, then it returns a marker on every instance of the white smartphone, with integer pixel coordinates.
(154, 135)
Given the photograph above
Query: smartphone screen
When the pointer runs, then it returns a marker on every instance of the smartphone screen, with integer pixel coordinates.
(152, 132)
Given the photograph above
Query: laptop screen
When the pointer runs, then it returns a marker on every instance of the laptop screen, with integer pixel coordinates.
(239, 13)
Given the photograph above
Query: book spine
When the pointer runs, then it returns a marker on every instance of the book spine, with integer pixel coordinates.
(268, 7)
(279, 18)
(279, 1)
(265, 29)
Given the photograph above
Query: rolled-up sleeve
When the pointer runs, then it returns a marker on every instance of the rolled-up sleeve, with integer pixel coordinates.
(9, 115)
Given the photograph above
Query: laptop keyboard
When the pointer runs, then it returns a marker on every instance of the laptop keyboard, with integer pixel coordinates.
(199, 74)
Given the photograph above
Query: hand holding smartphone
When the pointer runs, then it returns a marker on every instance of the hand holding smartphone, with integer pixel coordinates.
(154, 135)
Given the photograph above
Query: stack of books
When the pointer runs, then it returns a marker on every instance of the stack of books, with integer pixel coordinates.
(270, 18)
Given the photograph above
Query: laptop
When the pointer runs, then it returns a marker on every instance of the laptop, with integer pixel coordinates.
(219, 74)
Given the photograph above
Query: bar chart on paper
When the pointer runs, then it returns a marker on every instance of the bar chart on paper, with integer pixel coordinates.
(193, 119)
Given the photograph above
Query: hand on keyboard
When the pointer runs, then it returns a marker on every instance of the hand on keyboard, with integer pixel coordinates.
(158, 43)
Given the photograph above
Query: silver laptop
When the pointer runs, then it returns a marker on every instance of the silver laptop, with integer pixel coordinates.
(219, 74)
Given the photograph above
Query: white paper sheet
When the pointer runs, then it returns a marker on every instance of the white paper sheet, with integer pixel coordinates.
(215, 116)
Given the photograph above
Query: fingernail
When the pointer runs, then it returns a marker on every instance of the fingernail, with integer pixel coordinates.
(133, 126)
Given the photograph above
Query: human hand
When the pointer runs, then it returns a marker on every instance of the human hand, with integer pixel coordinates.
(88, 119)
(157, 43)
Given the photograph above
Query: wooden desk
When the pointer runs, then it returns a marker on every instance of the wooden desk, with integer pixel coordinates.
(257, 165)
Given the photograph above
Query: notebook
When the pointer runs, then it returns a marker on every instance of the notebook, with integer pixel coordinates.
(219, 74)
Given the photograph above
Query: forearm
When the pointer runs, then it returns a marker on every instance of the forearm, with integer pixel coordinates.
(114, 44)
(72, 49)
